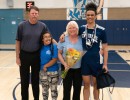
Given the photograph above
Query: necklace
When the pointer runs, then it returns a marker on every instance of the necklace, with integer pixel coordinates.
(90, 38)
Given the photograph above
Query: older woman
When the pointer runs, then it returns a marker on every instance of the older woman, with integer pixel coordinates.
(73, 77)
(93, 36)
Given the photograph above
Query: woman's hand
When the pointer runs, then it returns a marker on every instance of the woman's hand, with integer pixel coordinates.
(66, 66)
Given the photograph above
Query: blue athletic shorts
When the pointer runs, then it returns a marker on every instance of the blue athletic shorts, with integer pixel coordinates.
(90, 64)
(90, 69)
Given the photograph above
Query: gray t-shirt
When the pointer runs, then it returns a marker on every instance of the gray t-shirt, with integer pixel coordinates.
(29, 35)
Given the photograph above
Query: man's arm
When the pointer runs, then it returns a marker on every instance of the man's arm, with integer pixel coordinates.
(18, 62)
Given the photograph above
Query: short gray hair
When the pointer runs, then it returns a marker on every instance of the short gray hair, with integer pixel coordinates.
(74, 23)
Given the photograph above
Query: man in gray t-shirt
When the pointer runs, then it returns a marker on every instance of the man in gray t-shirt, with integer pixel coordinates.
(27, 52)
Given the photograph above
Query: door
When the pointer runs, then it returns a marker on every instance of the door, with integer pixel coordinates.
(9, 20)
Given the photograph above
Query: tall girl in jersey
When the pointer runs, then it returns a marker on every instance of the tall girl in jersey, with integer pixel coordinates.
(49, 67)
(92, 36)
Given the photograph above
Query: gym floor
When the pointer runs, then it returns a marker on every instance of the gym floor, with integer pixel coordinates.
(118, 64)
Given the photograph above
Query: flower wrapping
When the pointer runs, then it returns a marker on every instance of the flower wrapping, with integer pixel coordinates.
(72, 56)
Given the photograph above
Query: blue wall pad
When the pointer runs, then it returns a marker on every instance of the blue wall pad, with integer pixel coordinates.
(117, 30)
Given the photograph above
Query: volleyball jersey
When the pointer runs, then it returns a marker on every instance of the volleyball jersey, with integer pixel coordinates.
(91, 39)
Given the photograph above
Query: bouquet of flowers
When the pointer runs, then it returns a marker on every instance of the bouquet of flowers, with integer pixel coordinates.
(72, 56)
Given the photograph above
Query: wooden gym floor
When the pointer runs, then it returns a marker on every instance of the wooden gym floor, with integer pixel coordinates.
(10, 79)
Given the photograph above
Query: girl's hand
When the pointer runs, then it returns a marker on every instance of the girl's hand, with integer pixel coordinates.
(44, 69)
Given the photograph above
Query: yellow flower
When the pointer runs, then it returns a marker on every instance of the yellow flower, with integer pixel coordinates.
(72, 56)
